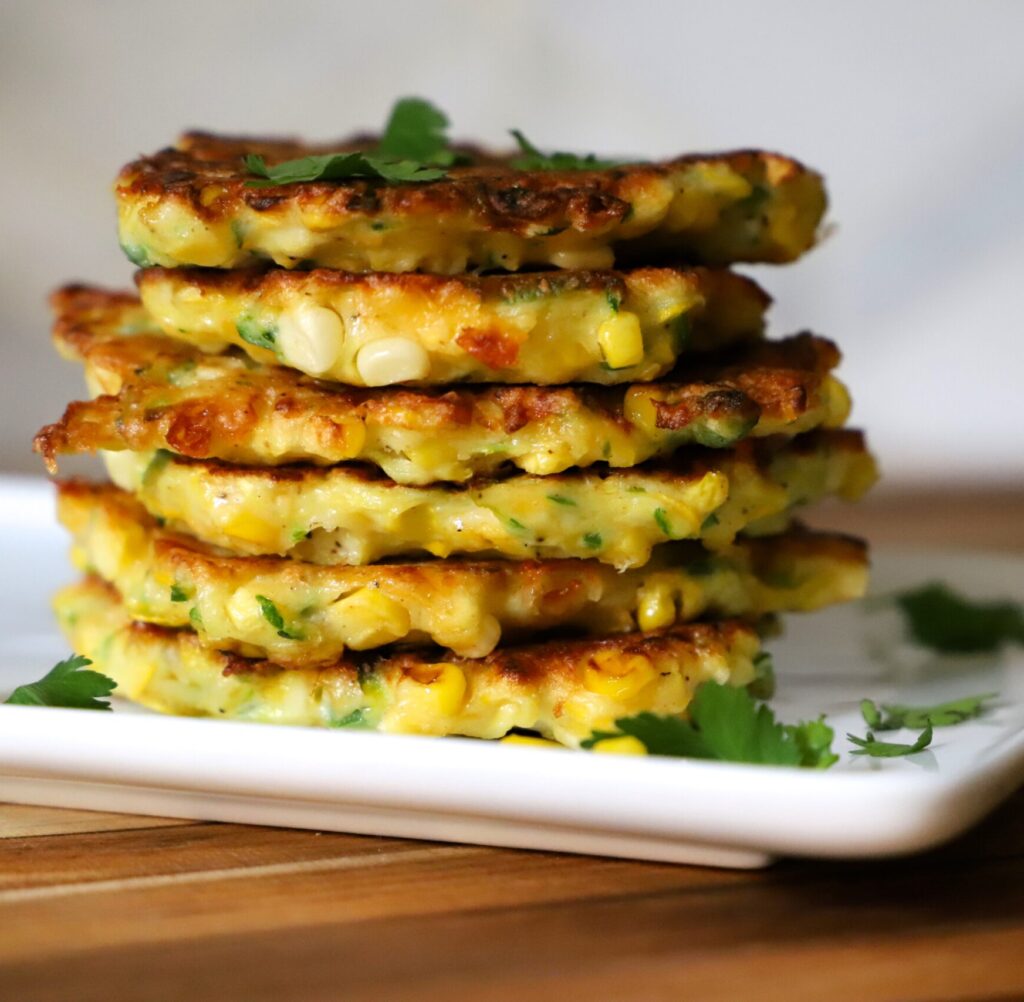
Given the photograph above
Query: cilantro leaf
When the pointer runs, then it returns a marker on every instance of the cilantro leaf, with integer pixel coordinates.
(416, 131)
(940, 618)
(70, 684)
(273, 616)
(413, 147)
(728, 725)
(871, 746)
(893, 716)
(532, 159)
(338, 167)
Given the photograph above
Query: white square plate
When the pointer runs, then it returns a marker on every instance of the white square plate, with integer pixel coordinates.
(474, 791)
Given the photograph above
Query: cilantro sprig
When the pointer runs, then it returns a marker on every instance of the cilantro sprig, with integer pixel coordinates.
(893, 716)
(872, 747)
(531, 158)
(727, 724)
(941, 619)
(69, 683)
(413, 147)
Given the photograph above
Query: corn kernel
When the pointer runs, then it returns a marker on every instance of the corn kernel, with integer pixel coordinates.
(392, 360)
(626, 745)
(618, 676)
(310, 338)
(621, 341)
(526, 739)
(656, 607)
(251, 529)
(440, 689)
(368, 618)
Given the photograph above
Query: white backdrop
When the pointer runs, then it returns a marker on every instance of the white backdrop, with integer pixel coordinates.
(913, 109)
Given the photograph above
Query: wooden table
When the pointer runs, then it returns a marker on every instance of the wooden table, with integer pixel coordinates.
(96, 906)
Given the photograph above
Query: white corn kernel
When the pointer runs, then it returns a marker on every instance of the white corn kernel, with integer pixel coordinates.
(392, 360)
(621, 341)
(310, 338)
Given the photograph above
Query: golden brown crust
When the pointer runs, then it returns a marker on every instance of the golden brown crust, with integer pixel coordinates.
(765, 385)
(746, 205)
(499, 196)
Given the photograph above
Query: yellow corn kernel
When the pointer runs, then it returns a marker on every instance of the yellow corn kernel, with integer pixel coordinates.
(639, 409)
(251, 529)
(626, 745)
(617, 675)
(621, 341)
(210, 194)
(656, 606)
(432, 454)
(526, 739)
(440, 688)
(367, 618)
(838, 402)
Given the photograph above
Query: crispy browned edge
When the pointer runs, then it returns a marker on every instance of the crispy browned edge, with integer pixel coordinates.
(523, 664)
(688, 464)
(496, 194)
(765, 378)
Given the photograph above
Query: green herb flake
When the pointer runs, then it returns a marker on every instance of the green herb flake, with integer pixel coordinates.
(661, 518)
(606, 450)
(516, 524)
(939, 618)
(728, 725)
(69, 683)
(356, 720)
(593, 540)
(614, 300)
(709, 523)
(138, 255)
(195, 617)
(893, 716)
(763, 686)
(873, 748)
(256, 334)
(532, 159)
(155, 466)
(562, 500)
(273, 616)
(178, 594)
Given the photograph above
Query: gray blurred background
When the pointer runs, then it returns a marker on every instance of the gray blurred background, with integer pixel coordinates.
(914, 110)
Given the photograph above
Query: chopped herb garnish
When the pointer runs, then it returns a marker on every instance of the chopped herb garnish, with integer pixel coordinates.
(893, 716)
(155, 466)
(69, 683)
(355, 719)
(516, 524)
(943, 620)
(606, 450)
(563, 500)
(273, 616)
(763, 686)
(532, 159)
(178, 594)
(593, 540)
(614, 300)
(416, 131)
(709, 523)
(137, 254)
(662, 519)
(727, 724)
(413, 147)
(874, 748)
(256, 334)
(195, 617)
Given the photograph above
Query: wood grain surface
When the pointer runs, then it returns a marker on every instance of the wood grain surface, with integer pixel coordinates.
(101, 906)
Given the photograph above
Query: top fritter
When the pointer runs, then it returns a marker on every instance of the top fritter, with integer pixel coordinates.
(225, 203)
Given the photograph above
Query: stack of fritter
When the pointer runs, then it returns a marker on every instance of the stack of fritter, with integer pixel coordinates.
(441, 469)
